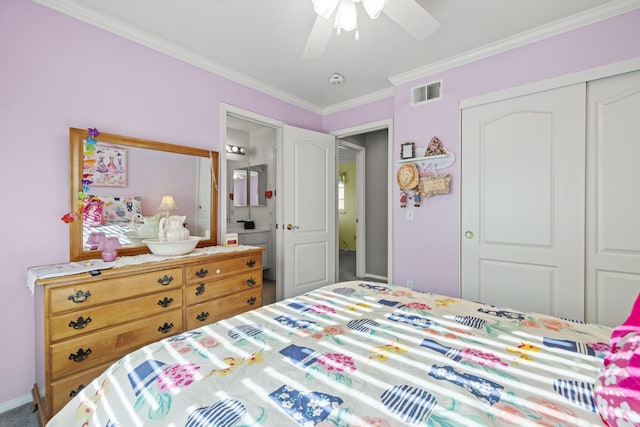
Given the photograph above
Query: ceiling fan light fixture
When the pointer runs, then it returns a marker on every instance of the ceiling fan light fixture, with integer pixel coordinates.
(346, 18)
(374, 7)
(325, 8)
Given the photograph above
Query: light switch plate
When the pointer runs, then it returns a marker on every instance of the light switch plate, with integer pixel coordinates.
(409, 214)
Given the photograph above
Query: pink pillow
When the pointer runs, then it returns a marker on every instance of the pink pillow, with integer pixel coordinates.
(92, 212)
(617, 391)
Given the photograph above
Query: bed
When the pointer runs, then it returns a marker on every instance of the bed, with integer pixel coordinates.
(357, 354)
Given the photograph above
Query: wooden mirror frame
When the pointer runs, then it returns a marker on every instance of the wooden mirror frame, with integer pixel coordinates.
(76, 140)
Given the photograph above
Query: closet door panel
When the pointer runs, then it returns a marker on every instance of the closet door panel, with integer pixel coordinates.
(613, 197)
(522, 201)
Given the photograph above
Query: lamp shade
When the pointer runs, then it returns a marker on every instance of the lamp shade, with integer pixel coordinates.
(167, 203)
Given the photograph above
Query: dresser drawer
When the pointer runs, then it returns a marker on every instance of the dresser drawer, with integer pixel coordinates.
(205, 290)
(221, 308)
(64, 390)
(91, 319)
(218, 269)
(102, 291)
(102, 346)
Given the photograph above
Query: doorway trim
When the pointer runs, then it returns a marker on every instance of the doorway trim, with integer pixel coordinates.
(366, 128)
(361, 220)
(230, 110)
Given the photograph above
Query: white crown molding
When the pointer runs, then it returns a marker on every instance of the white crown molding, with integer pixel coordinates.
(578, 20)
(174, 50)
(361, 100)
(590, 16)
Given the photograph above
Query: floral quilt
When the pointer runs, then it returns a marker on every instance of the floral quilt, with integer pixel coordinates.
(357, 354)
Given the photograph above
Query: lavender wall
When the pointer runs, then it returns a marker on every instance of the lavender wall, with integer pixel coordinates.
(427, 249)
(57, 72)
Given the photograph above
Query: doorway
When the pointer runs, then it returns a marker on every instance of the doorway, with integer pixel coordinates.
(247, 184)
(364, 232)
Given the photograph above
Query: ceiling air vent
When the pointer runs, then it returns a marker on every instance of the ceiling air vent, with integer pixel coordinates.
(426, 93)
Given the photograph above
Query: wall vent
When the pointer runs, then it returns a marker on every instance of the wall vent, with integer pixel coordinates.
(426, 93)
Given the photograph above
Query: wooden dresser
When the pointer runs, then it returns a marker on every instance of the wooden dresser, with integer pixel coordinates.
(90, 321)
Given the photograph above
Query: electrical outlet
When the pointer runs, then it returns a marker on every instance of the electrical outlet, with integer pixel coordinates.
(409, 284)
(409, 214)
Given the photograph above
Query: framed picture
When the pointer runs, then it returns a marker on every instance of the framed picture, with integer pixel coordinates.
(407, 150)
(105, 165)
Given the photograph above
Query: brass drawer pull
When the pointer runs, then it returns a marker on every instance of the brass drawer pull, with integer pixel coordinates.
(165, 280)
(80, 323)
(166, 302)
(251, 282)
(165, 328)
(251, 263)
(79, 296)
(80, 355)
(200, 290)
(74, 393)
(202, 316)
(251, 301)
(202, 272)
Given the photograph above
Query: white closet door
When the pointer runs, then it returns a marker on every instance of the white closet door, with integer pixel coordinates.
(523, 168)
(613, 197)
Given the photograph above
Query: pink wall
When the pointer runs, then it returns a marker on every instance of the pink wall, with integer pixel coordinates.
(427, 249)
(56, 73)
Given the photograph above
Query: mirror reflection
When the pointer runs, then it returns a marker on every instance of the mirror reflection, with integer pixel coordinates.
(249, 185)
(128, 182)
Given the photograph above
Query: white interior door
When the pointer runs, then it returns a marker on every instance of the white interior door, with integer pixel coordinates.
(613, 201)
(307, 211)
(522, 226)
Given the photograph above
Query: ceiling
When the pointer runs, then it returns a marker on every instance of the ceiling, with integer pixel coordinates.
(260, 43)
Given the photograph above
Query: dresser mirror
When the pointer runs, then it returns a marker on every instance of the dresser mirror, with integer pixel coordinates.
(126, 179)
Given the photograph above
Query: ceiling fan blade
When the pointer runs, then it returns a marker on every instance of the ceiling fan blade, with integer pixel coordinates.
(412, 17)
(318, 38)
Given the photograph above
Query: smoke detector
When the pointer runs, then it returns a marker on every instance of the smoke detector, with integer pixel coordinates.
(336, 79)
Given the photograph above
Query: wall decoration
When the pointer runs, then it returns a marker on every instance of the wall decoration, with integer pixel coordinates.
(407, 150)
(106, 164)
(435, 148)
(408, 176)
(435, 185)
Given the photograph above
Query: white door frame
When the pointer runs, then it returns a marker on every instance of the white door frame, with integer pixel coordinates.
(226, 110)
(361, 235)
(371, 127)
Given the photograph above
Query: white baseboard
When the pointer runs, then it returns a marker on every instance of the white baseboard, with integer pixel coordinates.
(14, 403)
(375, 276)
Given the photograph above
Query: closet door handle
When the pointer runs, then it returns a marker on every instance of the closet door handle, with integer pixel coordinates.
(468, 234)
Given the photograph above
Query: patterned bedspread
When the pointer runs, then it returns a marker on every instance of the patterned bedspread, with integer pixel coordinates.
(356, 354)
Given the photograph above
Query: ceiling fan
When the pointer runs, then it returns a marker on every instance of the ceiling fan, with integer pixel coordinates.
(406, 13)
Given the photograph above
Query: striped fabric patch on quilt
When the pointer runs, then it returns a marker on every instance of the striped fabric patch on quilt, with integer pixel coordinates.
(472, 322)
(413, 405)
(225, 413)
(577, 392)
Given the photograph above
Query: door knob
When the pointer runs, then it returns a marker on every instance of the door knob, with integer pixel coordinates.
(291, 227)
(468, 234)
